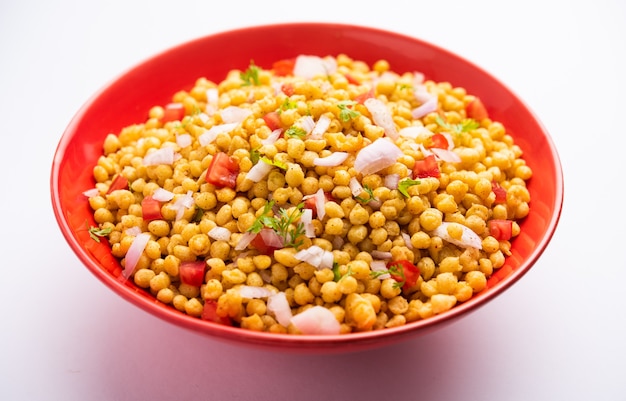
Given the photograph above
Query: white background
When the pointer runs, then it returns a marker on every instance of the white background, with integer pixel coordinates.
(558, 334)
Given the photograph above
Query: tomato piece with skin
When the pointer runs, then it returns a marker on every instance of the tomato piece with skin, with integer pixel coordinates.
(272, 120)
(409, 272)
(209, 313)
(222, 171)
(499, 192)
(260, 244)
(310, 203)
(284, 67)
(360, 99)
(192, 273)
(173, 112)
(287, 88)
(150, 209)
(428, 167)
(476, 109)
(352, 80)
(119, 182)
(501, 229)
(439, 141)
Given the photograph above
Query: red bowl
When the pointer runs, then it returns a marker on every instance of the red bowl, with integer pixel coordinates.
(128, 98)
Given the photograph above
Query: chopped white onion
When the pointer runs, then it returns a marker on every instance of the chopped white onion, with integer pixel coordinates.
(160, 156)
(376, 156)
(133, 231)
(273, 137)
(212, 97)
(382, 116)
(307, 220)
(234, 114)
(320, 201)
(334, 159)
(355, 186)
(259, 171)
(311, 66)
(219, 233)
(446, 155)
(381, 255)
(379, 266)
(245, 240)
(407, 240)
(134, 253)
(183, 140)
(316, 257)
(90, 193)
(321, 126)
(425, 108)
(271, 238)
(212, 133)
(391, 181)
(251, 292)
(316, 320)
(162, 195)
(469, 239)
(182, 203)
(414, 132)
(306, 123)
(278, 306)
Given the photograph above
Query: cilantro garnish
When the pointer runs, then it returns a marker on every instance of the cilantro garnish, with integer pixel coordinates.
(284, 224)
(465, 125)
(255, 155)
(276, 163)
(404, 185)
(251, 75)
(96, 232)
(370, 192)
(347, 113)
(396, 271)
(288, 104)
(295, 132)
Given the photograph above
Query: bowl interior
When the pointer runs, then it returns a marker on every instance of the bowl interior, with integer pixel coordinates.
(127, 99)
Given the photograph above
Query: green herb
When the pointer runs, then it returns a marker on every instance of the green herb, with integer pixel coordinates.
(96, 232)
(404, 185)
(394, 270)
(276, 163)
(466, 125)
(284, 224)
(197, 216)
(288, 104)
(347, 113)
(295, 132)
(255, 155)
(337, 272)
(370, 192)
(251, 75)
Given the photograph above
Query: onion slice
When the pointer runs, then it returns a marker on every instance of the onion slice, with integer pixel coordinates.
(469, 239)
(219, 233)
(311, 66)
(183, 140)
(316, 320)
(382, 116)
(376, 156)
(335, 159)
(162, 195)
(316, 257)
(251, 292)
(160, 156)
(446, 155)
(134, 253)
(212, 133)
(321, 126)
(90, 193)
(278, 306)
(379, 266)
(234, 114)
(245, 240)
(259, 171)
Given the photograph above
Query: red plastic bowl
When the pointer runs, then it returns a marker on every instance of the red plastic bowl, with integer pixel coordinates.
(128, 98)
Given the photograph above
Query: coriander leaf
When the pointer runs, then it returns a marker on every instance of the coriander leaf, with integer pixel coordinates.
(96, 232)
(295, 132)
(404, 185)
(467, 124)
(255, 155)
(370, 192)
(288, 104)
(251, 75)
(263, 220)
(394, 271)
(276, 163)
(346, 113)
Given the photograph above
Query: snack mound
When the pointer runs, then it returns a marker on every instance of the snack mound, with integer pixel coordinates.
(318, 196)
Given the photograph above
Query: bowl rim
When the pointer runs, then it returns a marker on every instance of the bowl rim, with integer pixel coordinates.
(351, 341)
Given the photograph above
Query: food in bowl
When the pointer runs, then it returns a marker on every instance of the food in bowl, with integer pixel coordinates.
(317, 195)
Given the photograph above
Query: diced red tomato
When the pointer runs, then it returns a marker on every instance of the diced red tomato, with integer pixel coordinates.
(173, 112)
(272, 119)
(500, 229)
(287, 88)
(364, 96)
(284, 67)
(209, 313)
(499, 191)
(352, 80)
(151, 209)
(428, 167)
(259, 242)
(410, 272)
(439, 141)
(119, 182)
(192, 273)
(222, 171)
(476, 109)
